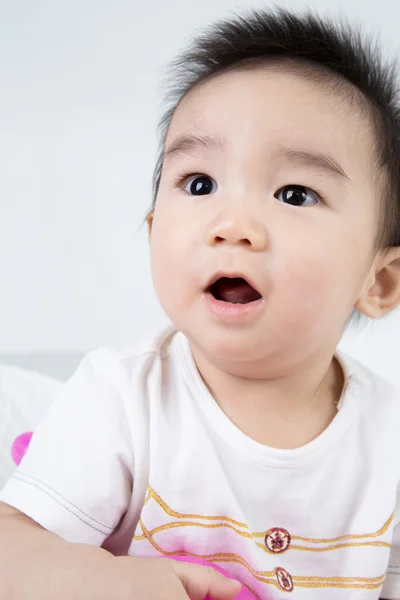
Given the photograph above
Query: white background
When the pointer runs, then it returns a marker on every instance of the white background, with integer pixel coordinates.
(78, 113)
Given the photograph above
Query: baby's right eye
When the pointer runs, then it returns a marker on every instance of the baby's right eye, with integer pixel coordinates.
(200, 185)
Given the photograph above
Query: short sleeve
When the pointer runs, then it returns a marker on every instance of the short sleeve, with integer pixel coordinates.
(76, 479)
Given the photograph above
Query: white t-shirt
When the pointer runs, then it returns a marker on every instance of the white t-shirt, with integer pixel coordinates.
(137, 456)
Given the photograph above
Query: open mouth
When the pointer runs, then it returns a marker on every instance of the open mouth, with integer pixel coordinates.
(234, 290)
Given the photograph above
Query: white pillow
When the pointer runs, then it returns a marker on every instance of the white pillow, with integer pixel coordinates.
(25, 397)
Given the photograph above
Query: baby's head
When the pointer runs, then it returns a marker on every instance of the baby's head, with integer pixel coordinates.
(277, 193)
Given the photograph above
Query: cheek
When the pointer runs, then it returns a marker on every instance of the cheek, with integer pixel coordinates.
(171, 263)
(320, 283)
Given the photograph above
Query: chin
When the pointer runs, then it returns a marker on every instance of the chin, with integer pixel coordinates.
(233, 346)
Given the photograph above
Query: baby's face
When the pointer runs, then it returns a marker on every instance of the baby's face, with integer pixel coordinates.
(269, 180)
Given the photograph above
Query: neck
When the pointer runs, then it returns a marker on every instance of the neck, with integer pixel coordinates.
(281, 411)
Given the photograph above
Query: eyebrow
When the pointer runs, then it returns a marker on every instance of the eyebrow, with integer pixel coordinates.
(313, 159)
(189, 144)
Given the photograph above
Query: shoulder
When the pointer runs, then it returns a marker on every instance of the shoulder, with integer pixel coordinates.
(157, 345)
(112, 389)
(131, 373)
(111, 362)
(369, 379)
(380, 398)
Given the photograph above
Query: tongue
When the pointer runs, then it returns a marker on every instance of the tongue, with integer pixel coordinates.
(235, 291)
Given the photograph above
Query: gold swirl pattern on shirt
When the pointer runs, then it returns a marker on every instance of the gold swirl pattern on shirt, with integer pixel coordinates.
(267, 577)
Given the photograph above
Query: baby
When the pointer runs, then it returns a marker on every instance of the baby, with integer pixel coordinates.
(239, 435)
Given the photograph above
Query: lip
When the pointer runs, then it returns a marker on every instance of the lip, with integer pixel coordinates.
(227, 312)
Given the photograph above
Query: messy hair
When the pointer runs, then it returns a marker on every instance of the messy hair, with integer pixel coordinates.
(332, 50)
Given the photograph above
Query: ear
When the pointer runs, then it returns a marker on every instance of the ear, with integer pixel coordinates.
(381, 292)
(149, 221)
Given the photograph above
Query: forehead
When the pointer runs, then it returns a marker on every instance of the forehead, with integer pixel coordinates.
(268, 107)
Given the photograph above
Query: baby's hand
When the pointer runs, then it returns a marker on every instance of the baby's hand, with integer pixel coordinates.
(164, 579)
(201, 582)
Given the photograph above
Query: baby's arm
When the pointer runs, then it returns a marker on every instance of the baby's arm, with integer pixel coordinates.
(38, 565)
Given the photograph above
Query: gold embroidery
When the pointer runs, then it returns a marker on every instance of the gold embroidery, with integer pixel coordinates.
(173, 513)
(378, 533)
(338, 546)
(228, 523)
(267, 577)
(246, 534)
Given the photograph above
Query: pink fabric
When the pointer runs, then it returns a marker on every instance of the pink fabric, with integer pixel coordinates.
(20, 446)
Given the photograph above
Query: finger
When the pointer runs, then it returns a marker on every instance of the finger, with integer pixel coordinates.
(201, 582)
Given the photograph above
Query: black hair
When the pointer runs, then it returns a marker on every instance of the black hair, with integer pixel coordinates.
(332, 49)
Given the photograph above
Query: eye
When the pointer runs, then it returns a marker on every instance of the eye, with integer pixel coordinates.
(200, 185)
(297, 195)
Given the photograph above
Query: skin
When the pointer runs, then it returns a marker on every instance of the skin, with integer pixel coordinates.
(312, 264)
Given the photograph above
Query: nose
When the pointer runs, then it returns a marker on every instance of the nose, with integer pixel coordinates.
(239, 230)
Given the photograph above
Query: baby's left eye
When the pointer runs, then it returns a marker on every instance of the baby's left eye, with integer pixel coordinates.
(297, 195)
